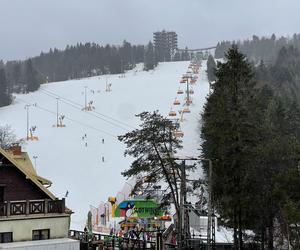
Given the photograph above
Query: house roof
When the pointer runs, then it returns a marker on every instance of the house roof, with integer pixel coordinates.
(23, 163)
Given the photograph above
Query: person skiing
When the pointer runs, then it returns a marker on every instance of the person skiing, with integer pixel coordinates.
(102, 140)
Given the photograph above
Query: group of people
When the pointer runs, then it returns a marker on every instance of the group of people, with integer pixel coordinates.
(133, 233)
(84, 138)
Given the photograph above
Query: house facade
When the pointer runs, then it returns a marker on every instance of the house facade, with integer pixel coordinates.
(28, 210)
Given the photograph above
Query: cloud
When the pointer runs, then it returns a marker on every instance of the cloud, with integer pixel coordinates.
(30, 26)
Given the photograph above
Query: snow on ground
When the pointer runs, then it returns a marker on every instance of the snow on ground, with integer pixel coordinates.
(74, 163)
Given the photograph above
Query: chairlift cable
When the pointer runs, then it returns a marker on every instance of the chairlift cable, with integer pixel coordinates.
(70, 119)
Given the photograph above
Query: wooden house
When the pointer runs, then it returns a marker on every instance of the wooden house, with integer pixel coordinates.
(28, 210)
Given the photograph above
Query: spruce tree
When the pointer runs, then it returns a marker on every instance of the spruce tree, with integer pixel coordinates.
(150, 58)
(31, 77)
(5, 98)
(253, 129)
(211, 67)
(227, 135)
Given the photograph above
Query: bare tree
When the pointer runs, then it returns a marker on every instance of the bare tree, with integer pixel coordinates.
(8, 137)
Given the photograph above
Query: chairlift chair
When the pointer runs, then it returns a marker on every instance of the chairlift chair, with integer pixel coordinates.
(178, 133)
(189, 101)
(186, 110)
(179, 91)
(172, 113)
(176, 102)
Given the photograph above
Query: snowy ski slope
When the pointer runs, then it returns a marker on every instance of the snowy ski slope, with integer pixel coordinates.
(72, 161)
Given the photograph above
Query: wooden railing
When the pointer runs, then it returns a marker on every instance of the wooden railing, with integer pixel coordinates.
(26, 207)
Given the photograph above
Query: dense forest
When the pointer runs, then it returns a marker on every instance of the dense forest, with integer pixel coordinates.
(251, 130)
(258, 49)
(81, 60)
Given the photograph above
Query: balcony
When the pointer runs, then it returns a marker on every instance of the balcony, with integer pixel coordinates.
(31, 207)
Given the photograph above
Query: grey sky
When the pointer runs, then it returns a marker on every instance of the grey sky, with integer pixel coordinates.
(30, 26)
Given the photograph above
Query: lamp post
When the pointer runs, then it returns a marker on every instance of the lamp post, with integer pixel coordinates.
(106, 212)
(27, 120)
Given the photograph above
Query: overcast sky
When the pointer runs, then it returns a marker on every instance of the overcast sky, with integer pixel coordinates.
(31, 26)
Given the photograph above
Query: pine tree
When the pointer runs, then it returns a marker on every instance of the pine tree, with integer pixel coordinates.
(227, 135)
(211, 67)
(5, 97)
(153, 146)
(31, 77)
(254, 132)
(150, 59)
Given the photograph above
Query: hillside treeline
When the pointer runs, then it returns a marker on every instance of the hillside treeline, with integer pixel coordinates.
(78, 61)
(81, 60)
(251, 131)
(257, 49)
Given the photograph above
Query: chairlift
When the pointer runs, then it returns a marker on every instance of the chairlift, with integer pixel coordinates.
(176, 102)
(178, 133)
(186, 110)
(172, 113)
(189, 101)
(179, 91)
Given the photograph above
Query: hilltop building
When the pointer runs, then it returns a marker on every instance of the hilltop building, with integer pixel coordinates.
(165, 45)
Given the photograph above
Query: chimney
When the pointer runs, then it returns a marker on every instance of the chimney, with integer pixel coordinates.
(16, 149)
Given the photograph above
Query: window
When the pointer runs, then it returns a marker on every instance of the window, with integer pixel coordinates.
(6, 237)
(42, 234)
(2, 189)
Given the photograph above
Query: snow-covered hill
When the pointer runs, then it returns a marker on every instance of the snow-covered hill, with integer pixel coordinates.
(72, 157)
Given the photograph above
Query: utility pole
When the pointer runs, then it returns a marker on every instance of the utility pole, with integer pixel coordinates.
(210, 218)
(57, 124)
(27, 123)
(209, 205)
(183, 212)
(187, 93)
(181, 207)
